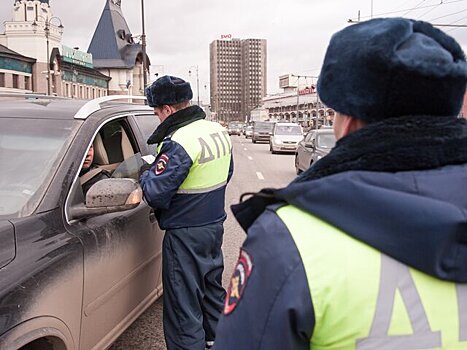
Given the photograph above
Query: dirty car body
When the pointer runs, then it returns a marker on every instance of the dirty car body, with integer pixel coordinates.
(73, 275)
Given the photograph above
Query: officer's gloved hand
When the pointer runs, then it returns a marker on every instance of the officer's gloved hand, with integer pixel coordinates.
(144, 168)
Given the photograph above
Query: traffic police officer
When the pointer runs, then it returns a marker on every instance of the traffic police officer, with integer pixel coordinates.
(186, 187)
(368, 248)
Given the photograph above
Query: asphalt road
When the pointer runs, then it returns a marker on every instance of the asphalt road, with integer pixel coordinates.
(255, 168)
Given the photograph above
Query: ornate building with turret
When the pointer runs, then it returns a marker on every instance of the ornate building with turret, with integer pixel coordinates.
(33, 59)
(115, 53)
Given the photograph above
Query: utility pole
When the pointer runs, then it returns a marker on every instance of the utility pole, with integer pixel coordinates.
(298, 91)
(47, 32)
(143, 47)
(298, 98)
(197, 79)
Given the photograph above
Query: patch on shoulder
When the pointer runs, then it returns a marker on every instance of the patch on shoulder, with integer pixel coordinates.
(238, 281)
(161, 164)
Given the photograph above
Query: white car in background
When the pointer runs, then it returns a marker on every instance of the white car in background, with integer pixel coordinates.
(285, 137)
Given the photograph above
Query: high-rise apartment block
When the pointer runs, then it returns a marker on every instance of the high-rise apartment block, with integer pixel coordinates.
(238, 77)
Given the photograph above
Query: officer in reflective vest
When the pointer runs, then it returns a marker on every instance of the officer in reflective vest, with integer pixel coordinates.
(186, 187)
(367, 249)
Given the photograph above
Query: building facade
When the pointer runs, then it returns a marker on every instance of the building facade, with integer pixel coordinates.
(15, 71)
(115, 53)
(298, 103)
(42, 63)
(237, 77)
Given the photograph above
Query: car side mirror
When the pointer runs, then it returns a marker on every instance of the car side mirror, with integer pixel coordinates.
(109, 196)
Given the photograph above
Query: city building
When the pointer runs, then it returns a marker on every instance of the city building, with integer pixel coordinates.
(283, 106)
(115, 52)
(41, 64)
(15, 71)
(237, 77)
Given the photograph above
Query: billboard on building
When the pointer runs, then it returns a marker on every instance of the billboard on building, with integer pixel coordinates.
(287, 81)
(77, 57)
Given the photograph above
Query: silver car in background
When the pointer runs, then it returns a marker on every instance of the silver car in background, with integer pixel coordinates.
(315, 145)
(285, 137)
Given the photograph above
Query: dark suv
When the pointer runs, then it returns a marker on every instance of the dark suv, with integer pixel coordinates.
(75, 270)
(262, 131)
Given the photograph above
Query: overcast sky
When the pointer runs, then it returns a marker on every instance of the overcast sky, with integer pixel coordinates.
(297, 31)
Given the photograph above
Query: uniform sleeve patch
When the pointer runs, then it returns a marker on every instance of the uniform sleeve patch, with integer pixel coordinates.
(238, 281)
(161, 164)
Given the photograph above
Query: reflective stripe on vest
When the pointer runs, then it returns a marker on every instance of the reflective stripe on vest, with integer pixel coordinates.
(209, 146)
(363, 299)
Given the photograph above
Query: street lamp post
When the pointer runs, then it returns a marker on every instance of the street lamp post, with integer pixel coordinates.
(143, 46)
(197, 79)
(47, 22)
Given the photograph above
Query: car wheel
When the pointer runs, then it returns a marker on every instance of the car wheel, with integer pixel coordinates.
(271, 149)
(297, 168)
(253, 140)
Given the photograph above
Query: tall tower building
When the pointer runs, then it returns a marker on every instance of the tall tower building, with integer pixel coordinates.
(238, 77)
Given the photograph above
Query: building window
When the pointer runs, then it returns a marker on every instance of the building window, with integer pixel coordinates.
(27, 81)
(2, 79)
(15, 81)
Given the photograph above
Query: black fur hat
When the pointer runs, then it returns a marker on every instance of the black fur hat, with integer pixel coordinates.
(391, 67)
(168, 90)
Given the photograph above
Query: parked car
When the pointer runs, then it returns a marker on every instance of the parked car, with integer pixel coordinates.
(262, 131)
(249, 131)
(235, 128)
(315, 145)
(75, 271)
(285, 137)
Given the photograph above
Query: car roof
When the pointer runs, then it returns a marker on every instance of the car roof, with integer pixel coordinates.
(45, 107)
(287, 124)
(40, 108)
(324, 131)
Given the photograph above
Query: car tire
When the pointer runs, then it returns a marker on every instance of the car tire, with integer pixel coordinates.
(253, 140)
(297, 168)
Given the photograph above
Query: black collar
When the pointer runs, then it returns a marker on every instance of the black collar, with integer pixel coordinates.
(176, 121)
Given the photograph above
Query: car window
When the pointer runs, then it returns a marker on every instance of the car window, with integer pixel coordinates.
(287, 130)
(30, 152)
(263, 126)
(326, 141)
(147, 124)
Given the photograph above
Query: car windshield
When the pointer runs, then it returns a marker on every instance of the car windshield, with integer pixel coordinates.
(326, 140)
(30, 152)
(263, 126)
(288, 130)
(235, 125)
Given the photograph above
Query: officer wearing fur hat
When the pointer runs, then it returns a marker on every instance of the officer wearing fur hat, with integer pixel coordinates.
(368, 248)
(186, 187)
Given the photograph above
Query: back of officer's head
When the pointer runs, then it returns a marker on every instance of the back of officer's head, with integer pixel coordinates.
(393, 67)
(168, 90)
